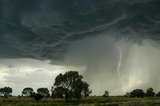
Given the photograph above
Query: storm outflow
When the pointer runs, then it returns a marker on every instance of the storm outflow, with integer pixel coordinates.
(137, 68)
(113, 43)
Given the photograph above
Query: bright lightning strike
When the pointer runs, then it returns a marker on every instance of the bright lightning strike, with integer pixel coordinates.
(119, 66)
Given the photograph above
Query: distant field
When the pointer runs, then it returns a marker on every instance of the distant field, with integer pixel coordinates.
(92, 101)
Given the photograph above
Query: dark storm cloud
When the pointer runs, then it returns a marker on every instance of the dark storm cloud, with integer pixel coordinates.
(81, 34)
(132, 1)
(45, 29)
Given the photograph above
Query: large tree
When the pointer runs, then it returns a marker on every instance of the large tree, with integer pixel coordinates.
(27, 91)
(43, 91)
(6, 91)
(86, 91)
(70, 86)
(57, 92)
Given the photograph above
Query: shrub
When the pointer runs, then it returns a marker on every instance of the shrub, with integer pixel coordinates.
(137, 93)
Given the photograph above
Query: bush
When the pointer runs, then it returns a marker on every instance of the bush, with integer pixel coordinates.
(106, 94)
(37, 96)
(158, 94)
(149, 92)
(137, 93)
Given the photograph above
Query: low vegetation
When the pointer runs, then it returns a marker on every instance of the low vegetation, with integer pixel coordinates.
(90, 101)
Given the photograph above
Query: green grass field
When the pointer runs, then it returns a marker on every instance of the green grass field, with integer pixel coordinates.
(92, 101)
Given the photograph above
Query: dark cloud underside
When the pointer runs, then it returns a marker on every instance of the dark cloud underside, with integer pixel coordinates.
(44, 29)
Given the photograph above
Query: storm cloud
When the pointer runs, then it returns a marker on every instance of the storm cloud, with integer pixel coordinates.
(45, 29)
(82, 34)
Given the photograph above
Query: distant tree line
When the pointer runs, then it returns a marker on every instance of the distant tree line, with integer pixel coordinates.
(140, 93)
(70, 87)
(28, 92)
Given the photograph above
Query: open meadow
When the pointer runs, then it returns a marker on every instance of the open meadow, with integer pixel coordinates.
(92, 101)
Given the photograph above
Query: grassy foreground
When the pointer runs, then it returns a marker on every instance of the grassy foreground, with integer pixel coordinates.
(92, 101)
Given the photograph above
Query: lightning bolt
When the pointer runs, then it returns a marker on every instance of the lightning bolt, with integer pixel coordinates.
(119, 66)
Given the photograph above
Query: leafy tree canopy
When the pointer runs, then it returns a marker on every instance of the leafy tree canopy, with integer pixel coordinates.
(150, 92)
(6, 91)
(137, 93)
(37, 96)
(43, 91)
(70, 86)
(106, 94)
(27, 91)
(158, 94)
